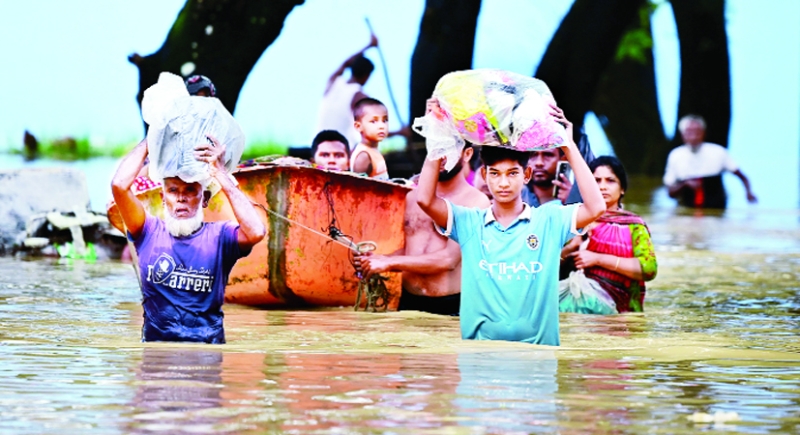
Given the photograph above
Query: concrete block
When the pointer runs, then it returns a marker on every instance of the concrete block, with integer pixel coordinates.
(30, 191)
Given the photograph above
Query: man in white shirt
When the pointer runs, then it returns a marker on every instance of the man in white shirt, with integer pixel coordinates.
(341, 95)
(694, 170)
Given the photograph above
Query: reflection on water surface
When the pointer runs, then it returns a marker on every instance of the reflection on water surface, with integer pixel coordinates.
(719, 337)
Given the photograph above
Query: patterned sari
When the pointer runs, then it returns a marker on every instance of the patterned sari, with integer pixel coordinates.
(623, 234)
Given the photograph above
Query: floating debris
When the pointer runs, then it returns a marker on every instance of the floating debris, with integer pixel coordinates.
(717, 417)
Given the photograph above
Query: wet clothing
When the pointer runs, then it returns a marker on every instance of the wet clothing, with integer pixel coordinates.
(336, 110)
(509, 281)
(446, 305)
(622, 234)
(707, 162)
(375, 157)
(183, 280)
(711, 194)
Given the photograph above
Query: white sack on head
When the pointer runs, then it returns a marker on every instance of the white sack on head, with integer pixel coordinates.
(179, 124)
(158, 98)
(491, 107)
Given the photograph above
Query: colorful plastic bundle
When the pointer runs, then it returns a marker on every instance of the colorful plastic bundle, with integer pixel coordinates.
(489, 107)
(178, 123)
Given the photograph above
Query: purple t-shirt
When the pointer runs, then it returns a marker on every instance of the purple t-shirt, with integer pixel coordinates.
(183, 280)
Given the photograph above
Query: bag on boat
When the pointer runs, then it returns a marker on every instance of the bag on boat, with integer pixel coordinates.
(489, 107)
(578, 294)
(178, 123)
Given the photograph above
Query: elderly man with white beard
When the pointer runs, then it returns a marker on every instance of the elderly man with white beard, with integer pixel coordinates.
(184, 262)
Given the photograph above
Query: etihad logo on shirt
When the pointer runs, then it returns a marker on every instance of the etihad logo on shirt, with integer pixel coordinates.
(166, 272)
(514, 271)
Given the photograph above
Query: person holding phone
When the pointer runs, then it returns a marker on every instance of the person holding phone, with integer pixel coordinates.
(548, 181)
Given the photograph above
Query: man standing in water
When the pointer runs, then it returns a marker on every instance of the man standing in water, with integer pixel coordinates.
(183, 262)
(430, 262)
(694, 170)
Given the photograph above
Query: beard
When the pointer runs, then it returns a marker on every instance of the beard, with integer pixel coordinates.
(542, 183)
(183, 227)
(449, 175)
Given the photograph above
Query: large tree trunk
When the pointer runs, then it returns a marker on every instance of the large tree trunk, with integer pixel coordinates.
(627, 104)
(445, 44)
(223, 38)
(705, 66)
(581, 50)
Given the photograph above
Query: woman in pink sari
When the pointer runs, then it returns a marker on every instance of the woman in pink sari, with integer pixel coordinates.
(616, 253)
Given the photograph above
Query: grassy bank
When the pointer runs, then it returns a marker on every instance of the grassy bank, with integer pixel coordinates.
(70, 149)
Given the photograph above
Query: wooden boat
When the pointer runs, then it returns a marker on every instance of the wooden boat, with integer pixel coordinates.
(295, 265)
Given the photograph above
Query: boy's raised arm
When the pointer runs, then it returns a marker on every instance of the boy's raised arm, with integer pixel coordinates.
(593, 204)
(427, 200)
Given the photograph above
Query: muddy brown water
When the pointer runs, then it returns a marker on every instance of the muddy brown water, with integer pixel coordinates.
(716, 350)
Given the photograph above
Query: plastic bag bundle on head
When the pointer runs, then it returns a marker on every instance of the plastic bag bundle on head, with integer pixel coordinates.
(579, 294)
(178, 123)
(489, 107)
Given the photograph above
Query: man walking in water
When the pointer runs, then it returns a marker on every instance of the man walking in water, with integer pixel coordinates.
(430, 262)
(694, 170)
(183, 262)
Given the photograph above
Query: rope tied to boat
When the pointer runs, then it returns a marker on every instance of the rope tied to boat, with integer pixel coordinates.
(376, 295)
(374, 289)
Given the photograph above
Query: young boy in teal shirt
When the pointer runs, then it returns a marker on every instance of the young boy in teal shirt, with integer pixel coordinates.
(510, 253)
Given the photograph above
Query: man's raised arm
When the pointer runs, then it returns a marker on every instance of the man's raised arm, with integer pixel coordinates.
(251, 229)
(129, 207)
(427, 200)
(373, 42)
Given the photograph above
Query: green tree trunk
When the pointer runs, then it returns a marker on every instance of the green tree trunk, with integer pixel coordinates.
(627, 103)
(222, 38)
(705, 66)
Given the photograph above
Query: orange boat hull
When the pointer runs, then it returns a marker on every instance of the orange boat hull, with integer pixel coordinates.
(296, 265)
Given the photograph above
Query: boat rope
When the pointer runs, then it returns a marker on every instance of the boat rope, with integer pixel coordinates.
(374, 289)
(347, 243)
(375, 293)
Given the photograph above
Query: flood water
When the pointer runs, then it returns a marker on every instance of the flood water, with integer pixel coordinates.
(716, 350)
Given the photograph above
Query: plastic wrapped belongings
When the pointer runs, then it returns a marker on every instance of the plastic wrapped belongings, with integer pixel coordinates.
(489, 107)
(578, 294)
(178, 123)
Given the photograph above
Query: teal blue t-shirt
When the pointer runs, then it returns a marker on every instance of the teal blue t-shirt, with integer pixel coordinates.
(509, 276)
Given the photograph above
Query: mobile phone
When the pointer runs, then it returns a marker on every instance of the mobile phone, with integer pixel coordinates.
(564, 168)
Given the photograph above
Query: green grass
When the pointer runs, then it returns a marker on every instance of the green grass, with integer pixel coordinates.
(261, 148)
(70, 149)
(73, 149)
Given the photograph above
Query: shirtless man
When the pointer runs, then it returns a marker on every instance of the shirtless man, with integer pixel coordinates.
(430, 262)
